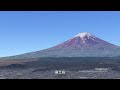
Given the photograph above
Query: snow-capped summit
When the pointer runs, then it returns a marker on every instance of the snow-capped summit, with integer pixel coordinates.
(82, 41)
(83, 34)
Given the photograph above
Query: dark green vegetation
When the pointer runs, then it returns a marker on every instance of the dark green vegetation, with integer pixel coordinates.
(75, 63)
(44, 68)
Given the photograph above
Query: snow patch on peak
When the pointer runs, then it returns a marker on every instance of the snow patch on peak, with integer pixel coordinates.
(83, 34)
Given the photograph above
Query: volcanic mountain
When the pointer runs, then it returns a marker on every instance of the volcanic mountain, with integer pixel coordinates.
(82, 45)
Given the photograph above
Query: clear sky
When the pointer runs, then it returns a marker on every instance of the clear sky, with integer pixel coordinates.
(26, 31)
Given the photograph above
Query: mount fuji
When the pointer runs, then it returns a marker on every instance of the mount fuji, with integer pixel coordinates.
(82, 45)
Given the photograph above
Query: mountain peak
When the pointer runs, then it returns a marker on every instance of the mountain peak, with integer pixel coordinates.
(83, 34)
(83, 44)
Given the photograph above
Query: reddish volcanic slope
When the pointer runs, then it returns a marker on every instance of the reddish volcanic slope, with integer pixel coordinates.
(83, 40)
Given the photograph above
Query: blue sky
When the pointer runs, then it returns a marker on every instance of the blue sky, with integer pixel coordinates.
(26, 31)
